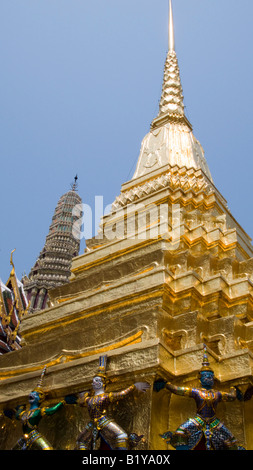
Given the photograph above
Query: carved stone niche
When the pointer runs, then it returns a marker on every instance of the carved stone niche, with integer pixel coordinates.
(179, 332)
(243, 334)
(218, 334)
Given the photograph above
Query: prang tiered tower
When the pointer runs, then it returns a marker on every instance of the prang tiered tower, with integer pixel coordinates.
(52, 267)
(169, 270)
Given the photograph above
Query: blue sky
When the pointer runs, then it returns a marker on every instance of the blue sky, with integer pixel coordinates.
(80, 84)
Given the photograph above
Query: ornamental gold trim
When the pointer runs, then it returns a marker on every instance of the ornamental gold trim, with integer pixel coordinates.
(64, 357)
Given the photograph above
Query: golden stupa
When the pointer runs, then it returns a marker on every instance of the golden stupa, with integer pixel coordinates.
(169, 270)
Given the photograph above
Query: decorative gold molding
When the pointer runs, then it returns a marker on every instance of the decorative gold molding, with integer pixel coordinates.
(68, 356)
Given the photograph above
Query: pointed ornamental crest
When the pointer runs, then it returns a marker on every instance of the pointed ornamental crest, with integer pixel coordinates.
(13, 306)
(17, 288)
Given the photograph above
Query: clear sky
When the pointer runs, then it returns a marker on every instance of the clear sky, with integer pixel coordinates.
(80, 83)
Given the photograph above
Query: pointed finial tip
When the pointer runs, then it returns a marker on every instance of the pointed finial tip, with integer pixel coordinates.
(171, 28)
(74, 185)
(11, 261)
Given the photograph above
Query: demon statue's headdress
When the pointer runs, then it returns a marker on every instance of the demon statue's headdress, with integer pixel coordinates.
(39, 388)
(205, 363)
(102, 368)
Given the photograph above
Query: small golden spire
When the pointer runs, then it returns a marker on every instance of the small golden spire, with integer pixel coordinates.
(171, 29)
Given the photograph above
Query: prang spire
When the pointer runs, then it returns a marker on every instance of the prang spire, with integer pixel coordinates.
(53, 265)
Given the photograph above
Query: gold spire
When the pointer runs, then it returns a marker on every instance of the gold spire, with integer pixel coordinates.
(171, 140)
(171, 104)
